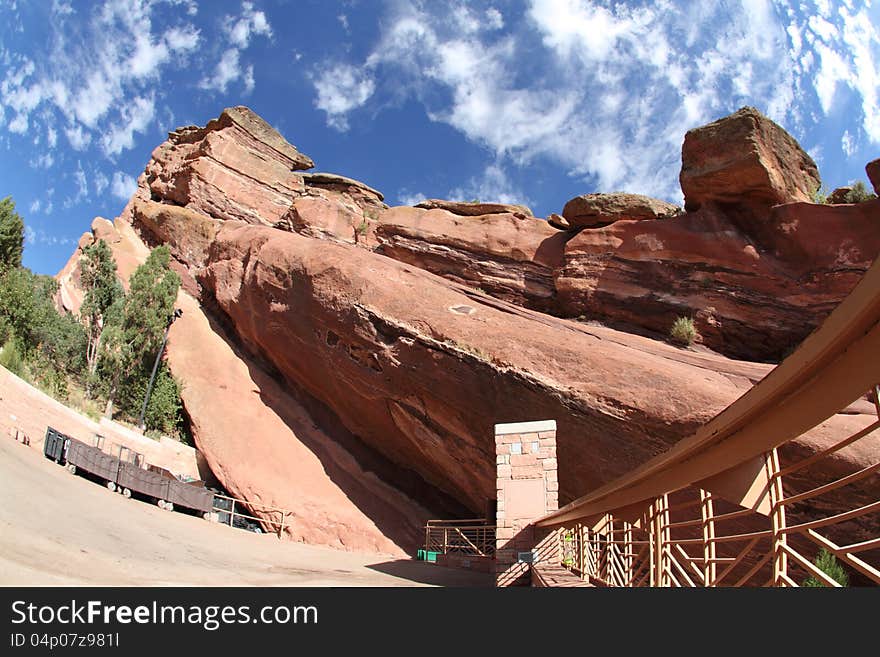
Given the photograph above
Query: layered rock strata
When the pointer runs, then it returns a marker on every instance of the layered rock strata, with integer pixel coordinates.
(348, 361)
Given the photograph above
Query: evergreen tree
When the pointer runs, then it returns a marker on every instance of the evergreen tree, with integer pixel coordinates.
(132, 345)
(828, 564)
(102, 294)
(11, 234)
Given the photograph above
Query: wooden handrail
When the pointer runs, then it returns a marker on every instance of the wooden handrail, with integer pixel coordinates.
(832, 367)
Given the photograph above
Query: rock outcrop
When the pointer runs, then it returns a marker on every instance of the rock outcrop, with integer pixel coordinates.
(348, 360)
(474, 208)
(421, 369)
(838, 196)
(872, 168)
(737, 264)
(597, 210)
(753, 296)
(745, 158)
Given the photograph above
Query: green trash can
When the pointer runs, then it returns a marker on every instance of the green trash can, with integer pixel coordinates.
(420, 555)
(432, 557)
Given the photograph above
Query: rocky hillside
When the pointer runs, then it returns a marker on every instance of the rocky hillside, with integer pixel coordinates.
(348, 360)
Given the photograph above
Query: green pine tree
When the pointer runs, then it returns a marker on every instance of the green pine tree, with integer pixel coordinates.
(103, 291)
(11, 234)
(828, 564)
(131, 345)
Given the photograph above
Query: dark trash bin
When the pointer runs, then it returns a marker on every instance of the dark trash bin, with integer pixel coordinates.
(53, 445)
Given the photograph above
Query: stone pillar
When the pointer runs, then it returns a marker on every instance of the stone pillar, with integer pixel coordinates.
(527, 488)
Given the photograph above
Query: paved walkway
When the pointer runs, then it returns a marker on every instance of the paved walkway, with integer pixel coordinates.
(61, 529)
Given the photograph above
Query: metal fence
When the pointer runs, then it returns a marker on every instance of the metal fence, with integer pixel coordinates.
(467, 537)
(272, 519)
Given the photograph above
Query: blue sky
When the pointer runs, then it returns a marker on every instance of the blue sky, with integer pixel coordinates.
(528, 101)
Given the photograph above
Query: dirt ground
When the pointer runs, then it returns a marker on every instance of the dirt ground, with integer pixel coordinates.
(62, 529)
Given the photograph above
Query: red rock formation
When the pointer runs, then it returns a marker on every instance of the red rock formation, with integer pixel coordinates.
(474, 208)
(596, 210)
(258, 439)
(751, 296)
(872, 168)
(745, 158)
(421, 369)
(365, 325)
(236, 167)
(838, 196)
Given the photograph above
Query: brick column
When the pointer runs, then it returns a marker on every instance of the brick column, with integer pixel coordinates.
(527, 488)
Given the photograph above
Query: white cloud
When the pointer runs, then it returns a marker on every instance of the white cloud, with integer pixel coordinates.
(78, 138)
(60, 8)
(250, 22)
(101, 182)
(228, 70)
(494, 19)
(607, 90)
(19, 124)
(341, 89)
(182, 39)
(40, 236)
(122, 186)
(492, 186)
(136, 117)
(35, 206)
(97, 64)
(147, 57)
(239, 31)
(848, 144)
(43, 161)
(82, 185)
(404, 197)
(248, 79)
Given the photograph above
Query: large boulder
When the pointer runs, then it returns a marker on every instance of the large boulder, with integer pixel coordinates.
(593, 210)
(839, 195)
(745, 158)
(474, 208)
(872, 168)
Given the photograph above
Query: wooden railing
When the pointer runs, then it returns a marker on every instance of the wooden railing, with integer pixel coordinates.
(755, 495)
(468, 537)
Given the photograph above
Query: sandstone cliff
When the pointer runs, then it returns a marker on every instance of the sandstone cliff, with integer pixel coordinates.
(348, 360)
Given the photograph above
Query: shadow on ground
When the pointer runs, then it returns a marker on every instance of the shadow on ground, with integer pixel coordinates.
(428, 573)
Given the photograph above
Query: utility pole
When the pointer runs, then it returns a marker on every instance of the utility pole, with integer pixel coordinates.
(177, 313)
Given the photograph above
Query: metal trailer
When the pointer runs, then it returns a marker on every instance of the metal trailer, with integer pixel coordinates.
(191, 495)
(134, 479)
(92, 460)
(54, 445)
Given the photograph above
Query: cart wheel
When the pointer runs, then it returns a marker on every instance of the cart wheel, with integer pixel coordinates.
(71, 468)
(169, 506)
(209, 516)
(160, 504)
(126, 493)
(111, 486)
